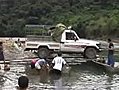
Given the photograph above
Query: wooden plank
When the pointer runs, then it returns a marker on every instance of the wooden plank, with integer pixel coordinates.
(107, 67)
(6, 62)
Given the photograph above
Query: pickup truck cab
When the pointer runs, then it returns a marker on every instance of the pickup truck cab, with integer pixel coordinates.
(69, 43)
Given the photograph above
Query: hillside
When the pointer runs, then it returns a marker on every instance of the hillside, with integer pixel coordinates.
(90, 18)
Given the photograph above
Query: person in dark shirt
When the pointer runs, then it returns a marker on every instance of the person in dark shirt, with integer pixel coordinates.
(23, 82)
(110, 53)
(1, 52)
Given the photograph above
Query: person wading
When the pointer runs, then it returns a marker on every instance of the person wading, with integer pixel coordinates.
(23, 83)
(57, 65)
(41, 64)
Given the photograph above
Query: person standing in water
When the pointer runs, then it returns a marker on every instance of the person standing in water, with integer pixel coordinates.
(6, 66)
(1, 52)
(58, 63)
(111, 60)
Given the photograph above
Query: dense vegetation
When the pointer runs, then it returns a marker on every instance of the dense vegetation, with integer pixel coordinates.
(90, 18)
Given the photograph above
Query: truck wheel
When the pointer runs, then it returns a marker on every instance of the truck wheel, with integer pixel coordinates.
(43, 52)
(90, 53)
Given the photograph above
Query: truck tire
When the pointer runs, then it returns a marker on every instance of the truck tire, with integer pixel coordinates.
(90, 53)
(43, 52)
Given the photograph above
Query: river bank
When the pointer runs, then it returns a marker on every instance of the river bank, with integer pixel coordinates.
(11, 52)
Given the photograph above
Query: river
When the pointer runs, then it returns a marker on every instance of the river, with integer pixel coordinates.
(84, 76)
(81, 77)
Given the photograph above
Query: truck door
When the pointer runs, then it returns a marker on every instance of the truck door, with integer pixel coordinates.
(70, 44)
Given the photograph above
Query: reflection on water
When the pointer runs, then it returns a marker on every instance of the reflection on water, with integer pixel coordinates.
(80, 77)
(58, 84)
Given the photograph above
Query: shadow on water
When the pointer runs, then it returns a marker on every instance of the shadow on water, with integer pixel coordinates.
(88, 67)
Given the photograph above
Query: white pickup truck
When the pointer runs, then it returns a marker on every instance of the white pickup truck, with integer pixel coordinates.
(70, 43)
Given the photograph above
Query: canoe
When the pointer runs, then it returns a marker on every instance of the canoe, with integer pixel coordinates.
(107, 67)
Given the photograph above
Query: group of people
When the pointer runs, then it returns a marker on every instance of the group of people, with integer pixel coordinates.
(55, 67)
(57, 64)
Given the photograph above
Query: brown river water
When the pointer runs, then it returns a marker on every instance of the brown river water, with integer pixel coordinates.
(81, 77)
(84, 76)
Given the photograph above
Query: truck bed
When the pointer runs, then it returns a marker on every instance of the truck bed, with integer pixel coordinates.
(39, 38)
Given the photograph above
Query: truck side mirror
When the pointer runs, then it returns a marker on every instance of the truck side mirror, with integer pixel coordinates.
(75, 39)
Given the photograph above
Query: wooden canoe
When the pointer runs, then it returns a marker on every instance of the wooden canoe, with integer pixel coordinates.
(107, 67)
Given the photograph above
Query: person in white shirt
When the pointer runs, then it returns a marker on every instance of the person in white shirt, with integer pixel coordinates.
(58, 63)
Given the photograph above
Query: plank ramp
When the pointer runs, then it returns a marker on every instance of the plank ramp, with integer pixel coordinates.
(4, 62)
(108, 68)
